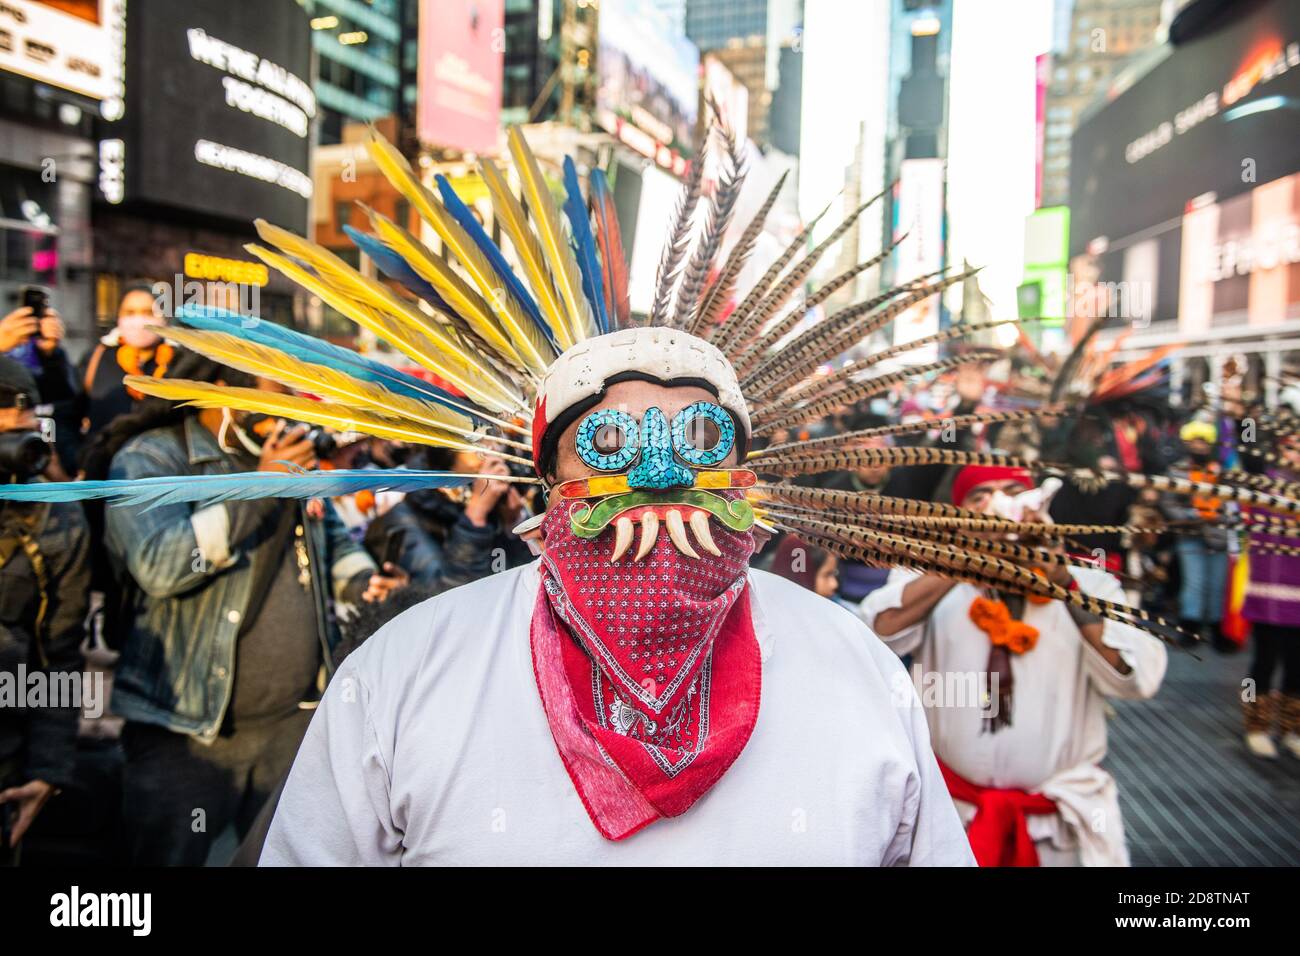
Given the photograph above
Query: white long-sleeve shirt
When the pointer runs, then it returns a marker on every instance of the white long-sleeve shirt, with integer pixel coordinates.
(431, 747)
(1057, 736)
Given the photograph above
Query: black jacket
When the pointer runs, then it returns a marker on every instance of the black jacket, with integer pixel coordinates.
(44, 549)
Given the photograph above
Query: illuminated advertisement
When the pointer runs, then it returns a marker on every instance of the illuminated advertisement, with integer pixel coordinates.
(1241, 259)
(218, 113)
(462, 49)
(1047, 249)
(76, 45)
(1182, 188)
(919, 224)
(648, 81)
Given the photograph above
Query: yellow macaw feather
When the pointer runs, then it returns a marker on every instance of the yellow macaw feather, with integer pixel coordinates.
(340, 275)
(436, 350)
(516, 337)
(550, 233)
(466, 302)
(514, 223)
(331, 384)
(329, 414)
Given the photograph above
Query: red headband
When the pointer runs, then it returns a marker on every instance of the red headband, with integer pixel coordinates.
(973, 475)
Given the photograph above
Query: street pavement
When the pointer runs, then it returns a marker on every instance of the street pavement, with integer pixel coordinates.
(1190, 793)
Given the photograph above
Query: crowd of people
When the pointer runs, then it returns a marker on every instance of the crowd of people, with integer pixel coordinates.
(219, 628)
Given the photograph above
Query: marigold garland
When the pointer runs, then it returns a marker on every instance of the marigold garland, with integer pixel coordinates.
(129, 361)
(994, 619)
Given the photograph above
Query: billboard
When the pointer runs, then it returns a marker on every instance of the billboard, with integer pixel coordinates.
(1212, 122)
(1042, 72)
(76, 45)
(919, 223)
(218, 111)
(648, 75)
(1241, 259)
(462, 48)
(1047, 245)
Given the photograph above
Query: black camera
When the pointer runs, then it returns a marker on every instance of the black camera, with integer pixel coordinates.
(23, 454)
(262, 427)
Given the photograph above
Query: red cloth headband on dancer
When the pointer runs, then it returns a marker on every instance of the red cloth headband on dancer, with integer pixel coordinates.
(973, 475)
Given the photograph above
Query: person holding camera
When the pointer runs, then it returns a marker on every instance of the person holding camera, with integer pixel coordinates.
(452, 536)
(228, 629)
(32, 335)
(44, 577)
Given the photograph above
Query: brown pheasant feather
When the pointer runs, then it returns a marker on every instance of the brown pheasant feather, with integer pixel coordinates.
(772, 336)
(839, 388)
(721, 208)
(715, 298)
(828, 339)
(679, 239)
(722, 335)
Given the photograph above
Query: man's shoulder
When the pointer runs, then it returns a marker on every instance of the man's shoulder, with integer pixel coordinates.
(818, 627)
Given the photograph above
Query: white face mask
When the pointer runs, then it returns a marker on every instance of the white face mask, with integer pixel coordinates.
(1035, 501)
(134, 331)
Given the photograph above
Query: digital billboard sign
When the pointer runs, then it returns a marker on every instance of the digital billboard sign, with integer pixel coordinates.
(1213, 121)
(76, 45)
(462, 50)
(649, 77)
(218, 111)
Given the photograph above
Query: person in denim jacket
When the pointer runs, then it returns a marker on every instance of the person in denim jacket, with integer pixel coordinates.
(453, 536)
(227, 630)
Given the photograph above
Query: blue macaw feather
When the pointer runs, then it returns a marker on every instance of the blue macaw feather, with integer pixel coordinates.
(310, 349)
(461, 213)
(584, 245)
(242, 486)
(396, 268)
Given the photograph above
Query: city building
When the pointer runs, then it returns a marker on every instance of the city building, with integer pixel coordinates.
(49, 156)
(361, 60)
(915, 209)
(213, 130)
(749, 37)
(548, 70)
(1102, 36)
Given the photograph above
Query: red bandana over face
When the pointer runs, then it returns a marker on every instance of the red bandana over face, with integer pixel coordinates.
(648, 670)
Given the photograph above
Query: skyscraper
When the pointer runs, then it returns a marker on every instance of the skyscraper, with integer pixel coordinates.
(747, 36)
(547, 70)
(359, 50)
(1102, 35)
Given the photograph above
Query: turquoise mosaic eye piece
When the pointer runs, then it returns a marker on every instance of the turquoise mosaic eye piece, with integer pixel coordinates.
(608, 440)
(703, 434)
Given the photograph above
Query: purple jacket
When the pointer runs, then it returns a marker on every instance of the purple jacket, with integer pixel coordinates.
(1273, 591)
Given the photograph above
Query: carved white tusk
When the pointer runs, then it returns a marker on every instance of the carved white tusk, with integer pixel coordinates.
(622, 538)
(649, 532)
(677, 531)
(700, 525)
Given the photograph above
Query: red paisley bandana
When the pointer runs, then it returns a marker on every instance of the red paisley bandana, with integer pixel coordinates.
(649, 671)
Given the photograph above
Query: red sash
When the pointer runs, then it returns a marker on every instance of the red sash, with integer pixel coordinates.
(999, 835)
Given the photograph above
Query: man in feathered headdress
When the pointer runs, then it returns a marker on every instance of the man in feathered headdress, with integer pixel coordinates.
(1021, 754)
(639, 676)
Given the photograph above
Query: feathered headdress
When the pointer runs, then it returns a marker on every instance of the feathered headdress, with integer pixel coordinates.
(506, 325)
